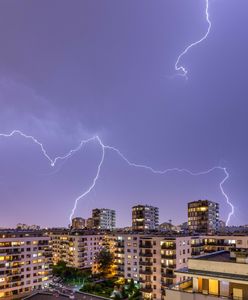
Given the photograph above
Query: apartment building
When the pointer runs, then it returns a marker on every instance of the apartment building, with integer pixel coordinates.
(77, 249)
(127, 256)
(78, 223)
(145, 218)
(25, 262)
(103, 219)
(159, 257)
(203, 217)
(221, 274)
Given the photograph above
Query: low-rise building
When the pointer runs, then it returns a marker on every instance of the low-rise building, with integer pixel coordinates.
(221, 274)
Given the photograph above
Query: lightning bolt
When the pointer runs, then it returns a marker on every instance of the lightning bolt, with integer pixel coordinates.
(121, 155)
(182, 71)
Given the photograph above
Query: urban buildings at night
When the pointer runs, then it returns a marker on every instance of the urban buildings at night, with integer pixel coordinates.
(25, 262)
(203, 216)
(123, 166)
(77, 249)
(164, 263)
(103, 218)
(145, 218)
(221, 274)
(78, 223)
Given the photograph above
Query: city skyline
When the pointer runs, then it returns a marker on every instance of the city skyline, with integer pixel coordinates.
(92, 73)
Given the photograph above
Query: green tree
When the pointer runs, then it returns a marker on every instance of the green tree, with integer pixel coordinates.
(105, 260)
(59, 269)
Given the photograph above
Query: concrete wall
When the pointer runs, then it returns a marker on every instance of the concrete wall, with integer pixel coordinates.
(221, 267)
(178, 295)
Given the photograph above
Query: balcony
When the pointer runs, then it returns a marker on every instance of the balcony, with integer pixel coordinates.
(168, 275)
(142, 280)
(146, 289)
(168, 256)
(170, 266)
(145, 263)
(146, 246)
(168, 246)
(120, 251)
(145, 254)
(145, 272)
(197, 245)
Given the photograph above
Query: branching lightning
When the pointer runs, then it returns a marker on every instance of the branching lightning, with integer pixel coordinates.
(119, 153)
(182, 71)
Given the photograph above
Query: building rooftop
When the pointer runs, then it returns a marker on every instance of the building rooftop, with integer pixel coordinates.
(220, 256)
(188, 272)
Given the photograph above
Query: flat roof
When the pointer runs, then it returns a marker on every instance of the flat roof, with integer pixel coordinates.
(229, 276)
(220, 256)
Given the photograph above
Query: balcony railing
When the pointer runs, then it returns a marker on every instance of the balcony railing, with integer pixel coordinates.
(168, 246)
(146, 254)
(168, 275)
(168, 256)
(145, 263)
(170, 266)
(145, 272)
(147, 246)
(146, 289)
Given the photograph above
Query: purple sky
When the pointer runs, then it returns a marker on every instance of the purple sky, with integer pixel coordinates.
(72, 69)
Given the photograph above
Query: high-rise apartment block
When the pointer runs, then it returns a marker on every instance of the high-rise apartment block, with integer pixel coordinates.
(103, 218)
(145, 218)
(203, 216)
(25, 262)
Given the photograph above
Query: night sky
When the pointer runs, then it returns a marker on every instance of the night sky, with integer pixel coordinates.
(72, 69)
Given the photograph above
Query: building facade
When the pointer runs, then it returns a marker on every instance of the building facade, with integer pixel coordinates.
(203, 217)
(145, 218)
(103, 219)
(25, 262)
(78, 223)
(77, 249)
(221, 274)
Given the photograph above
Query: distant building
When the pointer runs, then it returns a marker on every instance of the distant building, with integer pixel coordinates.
(145, 217)
(89, 223)
(21, 226)
(203, 216)
(166, 226)
(103, 218)
(78, 223)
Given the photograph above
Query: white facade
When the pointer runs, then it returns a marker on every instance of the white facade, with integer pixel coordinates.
(25, 259)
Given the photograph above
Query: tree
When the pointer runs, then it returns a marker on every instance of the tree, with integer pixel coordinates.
(59, 269)
(105, 260)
